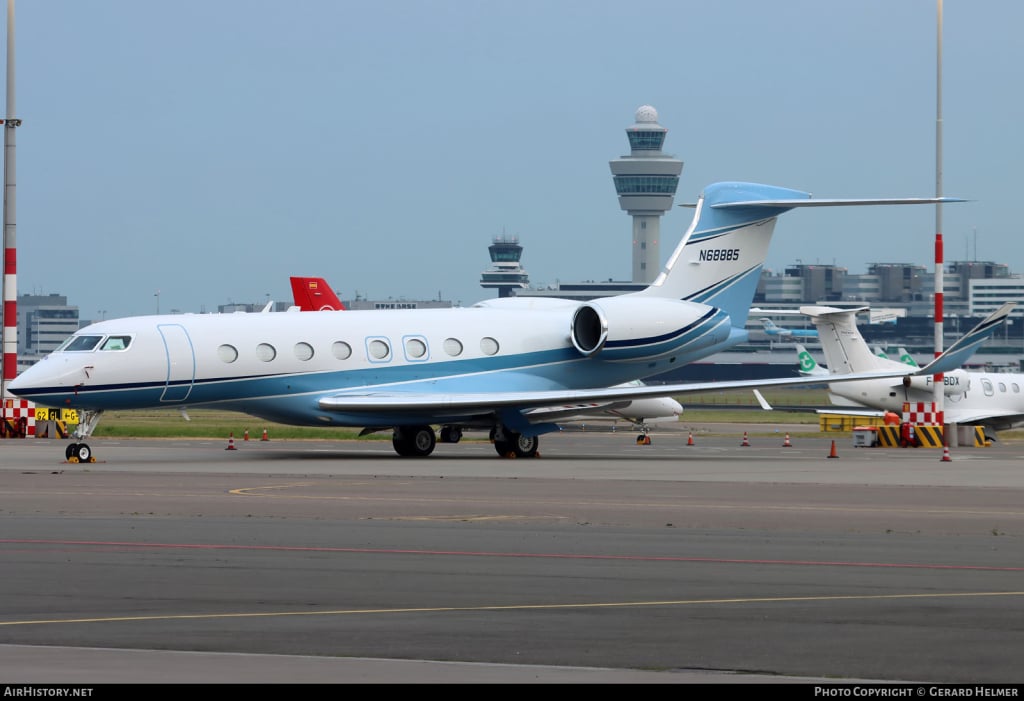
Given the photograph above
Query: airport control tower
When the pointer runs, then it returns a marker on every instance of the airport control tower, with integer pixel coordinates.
(646, 182)
(505, 273)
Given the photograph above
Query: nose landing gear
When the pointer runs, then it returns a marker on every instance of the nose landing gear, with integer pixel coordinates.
(81, 452)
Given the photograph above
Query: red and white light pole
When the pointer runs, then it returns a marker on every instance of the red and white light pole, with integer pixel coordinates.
(10, 285)
(938, 380)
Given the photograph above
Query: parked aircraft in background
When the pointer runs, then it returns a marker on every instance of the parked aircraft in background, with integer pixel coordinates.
(993, 400)
(772, 330)
(487, 366)
(314, 294)
(905, 356)
(810, 368)
(808, 365)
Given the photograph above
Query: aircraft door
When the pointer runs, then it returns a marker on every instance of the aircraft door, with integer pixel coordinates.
(181, 362)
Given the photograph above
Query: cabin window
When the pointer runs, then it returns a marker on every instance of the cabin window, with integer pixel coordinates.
(378, 349)
(453, 347)
(227, 353)
(1002, 386)
(116, 343)
(488, 345)
(1016, 388)
(341, 350)
(266, 352)
(303, 351)
(986, 386)
(415, 348)
(82, 343)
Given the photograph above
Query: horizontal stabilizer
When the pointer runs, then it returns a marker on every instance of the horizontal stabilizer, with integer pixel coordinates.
(811, 202)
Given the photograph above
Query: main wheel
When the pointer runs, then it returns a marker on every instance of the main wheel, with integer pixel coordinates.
(516, 445)
(414, 441)
(71, 451)
(84, 453)
(451, 434)
(526, 447)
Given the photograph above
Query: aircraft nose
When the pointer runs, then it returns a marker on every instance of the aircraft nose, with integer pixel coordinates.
(24, 382)
(42, 374)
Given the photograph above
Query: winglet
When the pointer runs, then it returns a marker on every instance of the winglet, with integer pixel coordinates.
(958, 353)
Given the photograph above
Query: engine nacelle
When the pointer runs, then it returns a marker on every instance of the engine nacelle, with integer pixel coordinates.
(631, 328)
(955, 382)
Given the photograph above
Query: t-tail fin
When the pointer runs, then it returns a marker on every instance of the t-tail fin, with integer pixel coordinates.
(844, 347)
(313, 294)
(720, 258)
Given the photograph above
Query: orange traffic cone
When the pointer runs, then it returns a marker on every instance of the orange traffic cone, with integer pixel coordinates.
(246, 436)
(689, 441)
(833, 453)
(945, 454)
(264, 436)
(786, 443)
(231, 442)
(745, 443)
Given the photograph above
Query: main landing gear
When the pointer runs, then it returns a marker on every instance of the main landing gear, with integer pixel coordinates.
(510, 444)
(80, 451)
(420, 441)
(414, 441)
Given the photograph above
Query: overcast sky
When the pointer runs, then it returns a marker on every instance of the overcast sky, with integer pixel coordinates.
(209, 149)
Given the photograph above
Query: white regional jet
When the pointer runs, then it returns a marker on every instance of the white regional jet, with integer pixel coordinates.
(992, 400)
(486, 366)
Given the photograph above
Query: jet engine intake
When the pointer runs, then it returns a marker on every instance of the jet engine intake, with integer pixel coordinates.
(630, 328)
(954, 383)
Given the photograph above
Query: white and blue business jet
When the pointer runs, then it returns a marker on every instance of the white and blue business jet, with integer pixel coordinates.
(491, 366)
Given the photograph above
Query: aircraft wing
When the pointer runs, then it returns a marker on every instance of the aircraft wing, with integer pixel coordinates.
(467, 404)
(483, 402)
(958, 353)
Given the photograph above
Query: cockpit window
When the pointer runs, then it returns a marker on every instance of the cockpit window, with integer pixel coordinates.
(116, 343)
(82, 343)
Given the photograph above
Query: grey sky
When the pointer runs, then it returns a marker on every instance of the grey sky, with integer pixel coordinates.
(209, 149)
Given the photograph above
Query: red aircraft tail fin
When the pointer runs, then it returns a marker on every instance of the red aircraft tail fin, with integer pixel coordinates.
(313, 294)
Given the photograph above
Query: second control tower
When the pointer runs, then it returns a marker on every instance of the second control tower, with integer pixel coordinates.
(646, 182)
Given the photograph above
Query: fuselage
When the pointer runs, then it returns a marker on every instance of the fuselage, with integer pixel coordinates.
(278, 365)
(992, 399)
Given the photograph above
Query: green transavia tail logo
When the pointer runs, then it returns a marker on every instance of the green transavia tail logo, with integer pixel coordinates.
(908, 359)
(806, 361)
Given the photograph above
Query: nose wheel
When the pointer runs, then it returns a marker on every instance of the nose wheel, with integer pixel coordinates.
(79, 452)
